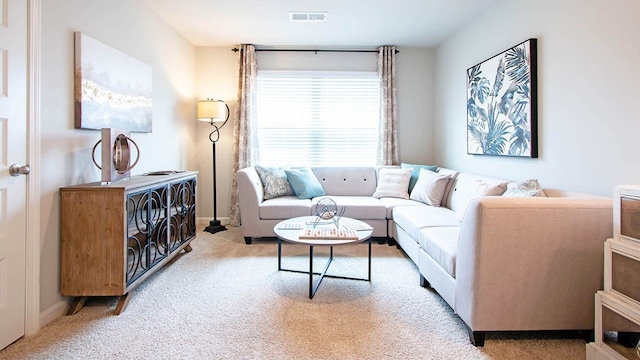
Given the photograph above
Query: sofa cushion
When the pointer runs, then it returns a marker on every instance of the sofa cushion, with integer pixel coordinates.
(430, 187)
(391, 203)
(304, 183)
(415, 172)
(284, 207)
(357, 207)
(414, 218)
(393, 182)
(274, 181)
(441, 243)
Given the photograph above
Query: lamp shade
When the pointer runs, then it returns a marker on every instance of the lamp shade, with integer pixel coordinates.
(212, 111)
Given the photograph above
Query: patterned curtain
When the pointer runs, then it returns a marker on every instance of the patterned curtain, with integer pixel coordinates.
(388, 138)
(245, 141)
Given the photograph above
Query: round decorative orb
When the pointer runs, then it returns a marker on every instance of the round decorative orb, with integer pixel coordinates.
(326, 209)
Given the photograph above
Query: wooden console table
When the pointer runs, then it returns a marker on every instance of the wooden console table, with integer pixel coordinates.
(115, 236)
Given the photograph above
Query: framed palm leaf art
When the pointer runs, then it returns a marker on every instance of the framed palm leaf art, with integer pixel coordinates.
(502, 114)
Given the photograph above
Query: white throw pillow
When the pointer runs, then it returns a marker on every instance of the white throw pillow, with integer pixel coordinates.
(525, 188)
(479, 188)
(393, 182)
(430, 187)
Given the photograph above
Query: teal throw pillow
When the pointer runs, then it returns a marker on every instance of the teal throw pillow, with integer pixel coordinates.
(304, 183)
(415, 173)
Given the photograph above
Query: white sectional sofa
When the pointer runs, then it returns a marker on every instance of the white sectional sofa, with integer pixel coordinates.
(501, 263)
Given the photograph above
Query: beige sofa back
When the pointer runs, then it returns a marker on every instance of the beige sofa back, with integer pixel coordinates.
(347, 181)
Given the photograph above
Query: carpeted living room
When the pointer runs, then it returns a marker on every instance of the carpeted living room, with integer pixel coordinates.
(487, 140)
(235, 304)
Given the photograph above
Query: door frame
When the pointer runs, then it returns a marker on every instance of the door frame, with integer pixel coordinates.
(33, 199)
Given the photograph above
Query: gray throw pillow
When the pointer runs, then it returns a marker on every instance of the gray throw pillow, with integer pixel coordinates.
(525, 188)
(274, 181)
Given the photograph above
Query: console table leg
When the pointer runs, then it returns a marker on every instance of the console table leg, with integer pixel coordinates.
(188, 248)
(122, 303)
(76, 304)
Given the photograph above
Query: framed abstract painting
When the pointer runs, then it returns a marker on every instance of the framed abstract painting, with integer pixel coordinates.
(502, 103)
(112, 89)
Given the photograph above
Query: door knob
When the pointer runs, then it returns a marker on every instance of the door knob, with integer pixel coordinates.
(15, 170)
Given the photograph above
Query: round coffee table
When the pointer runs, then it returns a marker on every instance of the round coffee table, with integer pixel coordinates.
(291, 229)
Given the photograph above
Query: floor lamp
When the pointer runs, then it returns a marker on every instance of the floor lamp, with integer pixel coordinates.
(215, 112)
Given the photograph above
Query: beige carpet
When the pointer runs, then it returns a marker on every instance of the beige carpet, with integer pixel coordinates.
(226, 300)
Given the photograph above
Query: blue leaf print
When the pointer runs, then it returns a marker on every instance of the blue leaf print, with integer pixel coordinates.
(497, 84)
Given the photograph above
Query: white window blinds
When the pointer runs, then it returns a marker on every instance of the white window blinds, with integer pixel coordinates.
(317, 118)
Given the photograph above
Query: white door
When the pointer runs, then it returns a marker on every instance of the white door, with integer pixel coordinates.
(13, 126)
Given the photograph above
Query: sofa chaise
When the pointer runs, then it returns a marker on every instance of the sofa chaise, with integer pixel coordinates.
(510, 263)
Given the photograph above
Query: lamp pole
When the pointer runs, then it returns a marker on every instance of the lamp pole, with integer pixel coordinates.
(214, 225)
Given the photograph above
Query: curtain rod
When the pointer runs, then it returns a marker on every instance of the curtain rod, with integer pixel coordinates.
(316, 51)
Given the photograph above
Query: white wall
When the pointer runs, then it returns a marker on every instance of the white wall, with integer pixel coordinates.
(588, 76)
(218, 77)
(415, 92)
(130, 26)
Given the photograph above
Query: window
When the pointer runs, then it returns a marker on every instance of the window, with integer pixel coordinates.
(317, 118)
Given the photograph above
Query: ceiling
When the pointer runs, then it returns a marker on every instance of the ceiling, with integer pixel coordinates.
(350, 23)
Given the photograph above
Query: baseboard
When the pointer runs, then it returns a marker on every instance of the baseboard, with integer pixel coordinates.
(53, 312)
(205, 221)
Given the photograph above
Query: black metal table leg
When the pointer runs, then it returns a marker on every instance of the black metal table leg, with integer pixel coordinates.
(279, 254)
(313, 287)
(311, 292)
(369, 278)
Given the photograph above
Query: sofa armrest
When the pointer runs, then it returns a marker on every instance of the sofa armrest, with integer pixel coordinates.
(250, 195)
(531, 263)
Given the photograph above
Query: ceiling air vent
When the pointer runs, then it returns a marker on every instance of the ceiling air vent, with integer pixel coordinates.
(308, 16)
